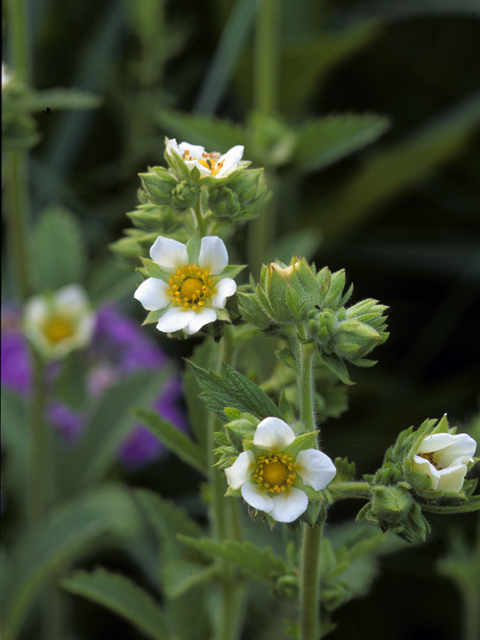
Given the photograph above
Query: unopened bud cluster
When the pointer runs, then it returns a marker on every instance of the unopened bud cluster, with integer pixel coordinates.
(297, 294)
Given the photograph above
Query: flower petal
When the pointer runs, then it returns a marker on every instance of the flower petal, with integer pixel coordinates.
(72, 298)
(461, 446)
(273, 435)
(289, 505)
(225, 288)
(153, 294)
(451, 479)
(315, 468)
(194, 150)
(230, 161)
(36, 310)
(172, 146)
(200, 318)
(421, 464)
(257, 497)
(213, 255)
(169, 254)
(241, 470)
(175, 319)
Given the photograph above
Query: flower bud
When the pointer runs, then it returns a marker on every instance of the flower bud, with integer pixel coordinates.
(391, 504)
(223, 203)
(158, 185)
(241, 198)
(185, 195)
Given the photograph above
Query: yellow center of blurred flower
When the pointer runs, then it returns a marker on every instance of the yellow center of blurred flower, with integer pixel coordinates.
(208, 160)
(57, 328)
(190, 286)
(275, 472)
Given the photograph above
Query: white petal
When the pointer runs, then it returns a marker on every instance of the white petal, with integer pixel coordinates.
(257, 496)
(241, 470)
(195, 150)
(36, 310)
(273, 435)
(230, 161)
(436, 442)
(153, 294)
(225, 288)
(172, 146)
(462, 447)
(451, 479)
(315, 468)
(289, 505)
(175, 319)
(213, 254)
(421, 464)
(169, 254)
(204, 171)
(71, 298)
(85, 329)
(200, 318)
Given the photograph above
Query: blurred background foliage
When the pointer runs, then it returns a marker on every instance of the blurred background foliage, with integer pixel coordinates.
(398, 206)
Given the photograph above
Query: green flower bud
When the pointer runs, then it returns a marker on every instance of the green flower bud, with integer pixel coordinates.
(185, 195)
(253, 311)
(391, 504)
(223, 203)
(158, 185)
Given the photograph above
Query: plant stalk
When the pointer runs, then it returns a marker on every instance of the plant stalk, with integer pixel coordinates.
(310, 583)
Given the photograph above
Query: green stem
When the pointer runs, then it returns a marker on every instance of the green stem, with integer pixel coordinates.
(310, 583)
(342, 490)
(199, 217)
(19, 45)
(226, 523)
(304, 355)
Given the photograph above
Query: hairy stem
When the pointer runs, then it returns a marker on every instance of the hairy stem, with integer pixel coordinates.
(310, 583)
(342, 490)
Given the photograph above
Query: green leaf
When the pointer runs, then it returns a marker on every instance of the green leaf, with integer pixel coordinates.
(389, 172)
(336, 364)
(325, 141)
(302, 442)
(179, 576)
(231, 389)
(124, 597)
(16, 440)
(260, 563)
(66, 533)
(345, 470)
(71, 382)
(211, 133)
(174, 439)
(65, 264)
(56, 99)
(109, 424)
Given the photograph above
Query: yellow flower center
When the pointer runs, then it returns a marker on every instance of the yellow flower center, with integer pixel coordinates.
(190, 286)
(208, 160)
(57, 328)
(275, 472)
(429, 457)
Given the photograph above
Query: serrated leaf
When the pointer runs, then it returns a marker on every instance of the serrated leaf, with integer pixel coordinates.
(63, 536)
(261, 563)
(232, 389)
(211, 133)
(124, 597)
(174, 439)
(58, 251)
(345, 470)
(325, 141)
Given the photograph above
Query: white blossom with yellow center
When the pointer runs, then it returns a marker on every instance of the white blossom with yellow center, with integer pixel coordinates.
(60, 322)
(191, 293)
(268, 482)
(209, 164)
(444, 457)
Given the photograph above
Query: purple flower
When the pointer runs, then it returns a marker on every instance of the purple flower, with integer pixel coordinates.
(15, 361)
(66, 421)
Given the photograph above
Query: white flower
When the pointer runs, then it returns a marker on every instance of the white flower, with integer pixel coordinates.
(269, 481)
(209, 164)
(6, 77)
(444, 457)
(191, 293)
(59, 323)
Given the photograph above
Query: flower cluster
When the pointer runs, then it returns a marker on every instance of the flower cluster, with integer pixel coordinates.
(277, 470)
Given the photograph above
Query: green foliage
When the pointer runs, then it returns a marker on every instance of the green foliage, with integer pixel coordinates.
(232, 389)
(108, 425)
(174, 439)
(16, 441)
(67, 532)
(124, 597)
(66, 264)
(325, 141)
